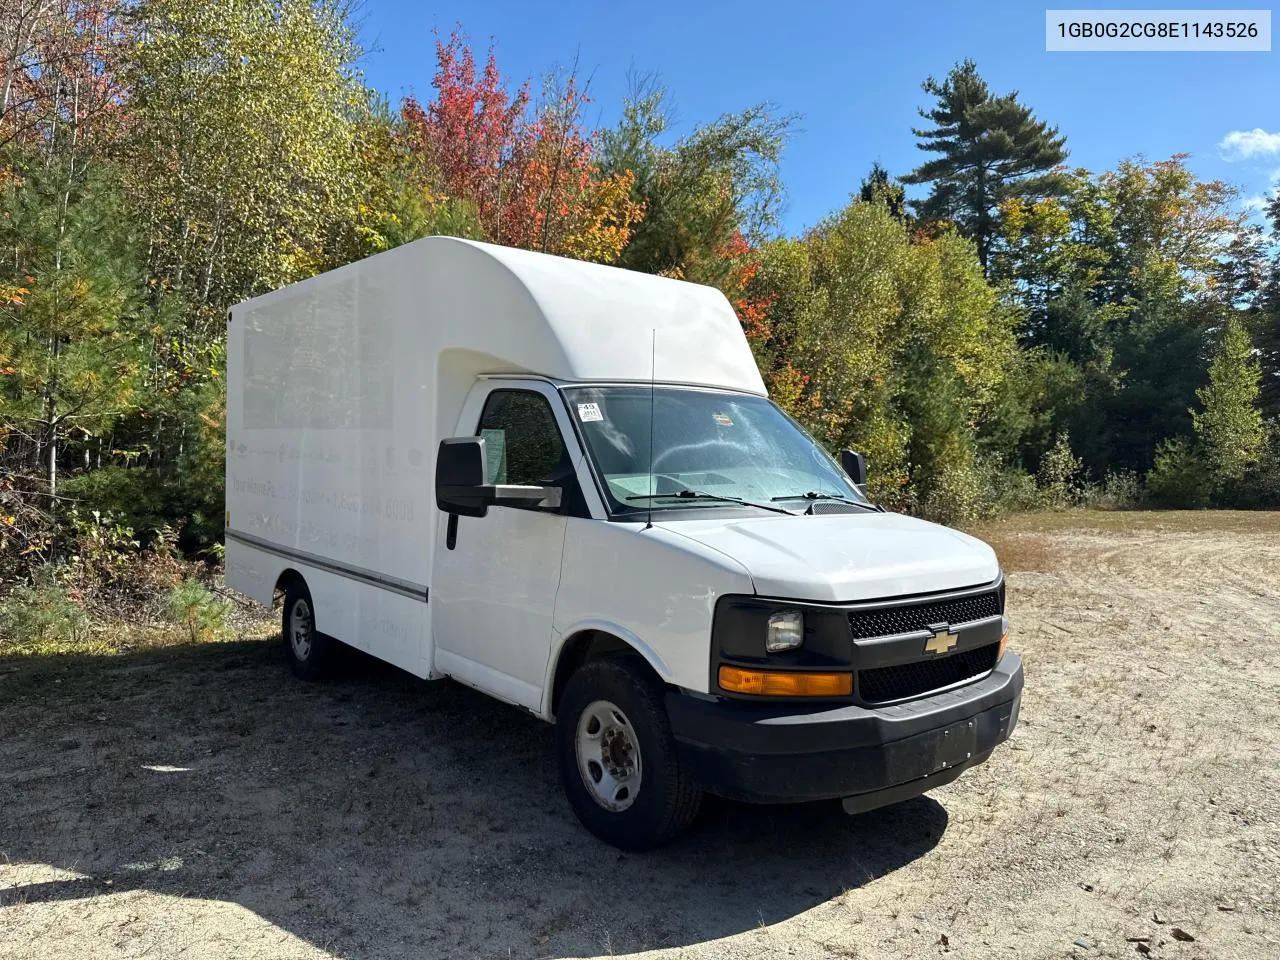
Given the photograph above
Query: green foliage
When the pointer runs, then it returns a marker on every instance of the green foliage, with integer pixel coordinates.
(401, 203)
(1122, 280)
(1178, 480)
(104, 550)
(991, 149)
(880, 187)
(244, 142)
(71, 327)
(979, 490)
(129, 494)
(41, 617)
(904, 347)
(716, 182)
(1260, 485)
(201, 615)
(1229, 424)
(191, 489)
(1120, 490)
(216, 150)
(955, 495)
(1008, 489)
(1060, 475)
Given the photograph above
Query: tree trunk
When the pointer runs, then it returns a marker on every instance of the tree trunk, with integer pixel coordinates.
(20, 47)
(53, 457)
(982, 226)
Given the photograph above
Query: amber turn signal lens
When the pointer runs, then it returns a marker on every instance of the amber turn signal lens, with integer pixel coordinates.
(1004, 645)
(767, 683)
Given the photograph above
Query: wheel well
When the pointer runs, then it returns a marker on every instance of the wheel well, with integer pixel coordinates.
(582, 648)
(287, 579)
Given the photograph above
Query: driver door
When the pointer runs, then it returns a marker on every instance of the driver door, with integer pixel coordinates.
(494, 579)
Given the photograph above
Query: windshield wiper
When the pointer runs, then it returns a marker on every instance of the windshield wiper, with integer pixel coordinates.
(815, 495)
(699, 495)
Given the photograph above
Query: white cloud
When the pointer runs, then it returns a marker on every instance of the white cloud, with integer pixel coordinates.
(1275, 175)
(1249, 144)
(1255, 207)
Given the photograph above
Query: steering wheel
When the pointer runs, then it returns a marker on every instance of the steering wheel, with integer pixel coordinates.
(675, 483)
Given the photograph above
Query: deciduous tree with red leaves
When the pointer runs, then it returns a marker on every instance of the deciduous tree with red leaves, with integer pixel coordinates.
(527, 168)
(60, 78)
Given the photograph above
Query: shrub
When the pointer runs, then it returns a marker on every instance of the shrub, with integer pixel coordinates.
(1178, 478)
(1119, 490)
(126, 494)
(41, 615)
(1259, 487)
(955, 496)
(201, 614)
(103, 549)
(1059, 475)
(113, 572)
(1008, 489)
(985, 488)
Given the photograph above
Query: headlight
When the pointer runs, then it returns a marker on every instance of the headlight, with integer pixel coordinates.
(786, 631)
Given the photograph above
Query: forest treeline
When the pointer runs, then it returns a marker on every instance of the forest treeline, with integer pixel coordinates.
(1023, 334)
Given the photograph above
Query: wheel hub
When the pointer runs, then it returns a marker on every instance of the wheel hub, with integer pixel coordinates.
(300, 626)
(618, 755)
(609, 759)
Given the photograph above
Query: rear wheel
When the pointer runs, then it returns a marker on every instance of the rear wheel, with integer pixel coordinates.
(311, 653)
(618, 759)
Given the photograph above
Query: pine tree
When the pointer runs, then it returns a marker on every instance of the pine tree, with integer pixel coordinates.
(880, 187)
(1229, 424)
(71, 333)
(992, 149)
(1267, 325)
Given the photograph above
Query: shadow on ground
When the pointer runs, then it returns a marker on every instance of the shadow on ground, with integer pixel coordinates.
(379, 815)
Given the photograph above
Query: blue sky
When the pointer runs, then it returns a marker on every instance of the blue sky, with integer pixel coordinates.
(853, 72)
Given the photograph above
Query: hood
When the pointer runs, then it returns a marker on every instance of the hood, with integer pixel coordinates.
(842, 558)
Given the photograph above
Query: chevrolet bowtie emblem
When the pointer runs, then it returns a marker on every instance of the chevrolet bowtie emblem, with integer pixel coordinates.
(943, 638)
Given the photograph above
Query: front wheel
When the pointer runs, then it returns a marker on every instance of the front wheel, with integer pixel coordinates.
(618, 758)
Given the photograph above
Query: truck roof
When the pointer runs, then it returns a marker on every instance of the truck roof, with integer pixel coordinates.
(535, 313)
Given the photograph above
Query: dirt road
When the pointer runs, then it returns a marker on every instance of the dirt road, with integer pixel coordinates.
(199, 802)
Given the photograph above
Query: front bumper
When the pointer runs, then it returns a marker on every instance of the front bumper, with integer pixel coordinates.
(771, 753)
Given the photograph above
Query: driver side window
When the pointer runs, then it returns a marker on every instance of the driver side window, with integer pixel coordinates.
(522, 440)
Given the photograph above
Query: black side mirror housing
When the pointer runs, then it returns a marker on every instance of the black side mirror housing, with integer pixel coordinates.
(463, 487)
(461, 474)
(855, 465)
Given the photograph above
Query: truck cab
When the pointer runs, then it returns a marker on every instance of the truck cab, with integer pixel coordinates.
(565, 485)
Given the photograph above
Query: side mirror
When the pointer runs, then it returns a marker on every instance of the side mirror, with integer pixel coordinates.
(855, 465)
(462, 472)
(463, 487)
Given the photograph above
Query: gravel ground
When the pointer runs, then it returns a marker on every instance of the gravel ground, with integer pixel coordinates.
(196, 801)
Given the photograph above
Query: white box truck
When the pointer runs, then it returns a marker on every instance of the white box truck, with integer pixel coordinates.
(563, 484)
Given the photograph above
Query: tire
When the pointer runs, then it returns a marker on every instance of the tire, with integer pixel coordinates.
(625, 782)
(311, 654)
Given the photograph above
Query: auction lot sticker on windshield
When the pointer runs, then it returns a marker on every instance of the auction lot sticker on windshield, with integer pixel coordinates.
(722, 419)
(589, 411)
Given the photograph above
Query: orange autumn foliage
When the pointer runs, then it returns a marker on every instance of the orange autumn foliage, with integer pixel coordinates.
(527, 170)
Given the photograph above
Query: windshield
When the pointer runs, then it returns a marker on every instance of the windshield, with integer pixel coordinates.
(722, 445)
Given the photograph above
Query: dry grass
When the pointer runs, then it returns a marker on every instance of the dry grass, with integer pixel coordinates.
(1033, 542)
(1145, 522)
(197, 801)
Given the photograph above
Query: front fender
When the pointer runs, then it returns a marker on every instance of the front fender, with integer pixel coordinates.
(560, 640)
(654, 590)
